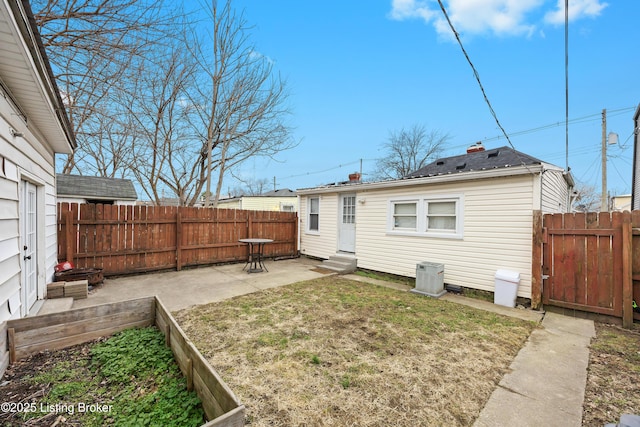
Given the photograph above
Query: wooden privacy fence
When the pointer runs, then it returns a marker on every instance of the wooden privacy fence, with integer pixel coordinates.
(590, 262)
(134, 239)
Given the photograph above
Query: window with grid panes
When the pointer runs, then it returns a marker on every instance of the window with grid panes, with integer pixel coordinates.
(313, 223)
(349, 209)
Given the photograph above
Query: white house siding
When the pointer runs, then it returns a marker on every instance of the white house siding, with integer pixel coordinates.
(497, 233)
(230, 204)
(268, 203)
(24, 159)
(555, 192)
(51, 234)
(9, 240)
(324, 243)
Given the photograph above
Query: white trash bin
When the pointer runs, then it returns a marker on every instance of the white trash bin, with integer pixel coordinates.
(506, 288)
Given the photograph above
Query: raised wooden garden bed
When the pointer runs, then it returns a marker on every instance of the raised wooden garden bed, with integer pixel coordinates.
(23, 337)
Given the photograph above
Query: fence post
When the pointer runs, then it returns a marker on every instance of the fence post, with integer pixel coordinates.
(70, 235)
(178, 239)
(627, 273)
(536, 261)
(296, 232)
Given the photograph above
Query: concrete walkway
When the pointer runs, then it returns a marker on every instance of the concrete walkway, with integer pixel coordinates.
(545, 384)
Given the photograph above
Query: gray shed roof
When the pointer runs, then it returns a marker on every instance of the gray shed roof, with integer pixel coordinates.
(94, 187)
(496, 158)
(281, 192)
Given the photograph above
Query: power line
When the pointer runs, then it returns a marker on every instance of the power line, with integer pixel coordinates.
(340, 166)
(617, 171)
(580, 151)
(484, 94)
(476, 74)
(577, 120)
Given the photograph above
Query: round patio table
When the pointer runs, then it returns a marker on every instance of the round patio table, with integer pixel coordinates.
(256, 251)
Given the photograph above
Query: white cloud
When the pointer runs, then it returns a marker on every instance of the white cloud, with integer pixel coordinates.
(405, 9)
(577, 9)
(257, 56)
(499, 17)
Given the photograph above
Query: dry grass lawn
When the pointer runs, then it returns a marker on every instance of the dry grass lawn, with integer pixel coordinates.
(613, 380)
(335, 352)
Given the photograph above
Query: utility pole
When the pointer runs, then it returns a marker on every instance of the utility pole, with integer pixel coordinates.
(604, 203)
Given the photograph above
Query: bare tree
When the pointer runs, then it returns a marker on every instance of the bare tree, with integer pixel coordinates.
(251, 187)
(164, 147)
(242, 103)
(408, 150)
(148, 99)
(586, 198)
(90, 45)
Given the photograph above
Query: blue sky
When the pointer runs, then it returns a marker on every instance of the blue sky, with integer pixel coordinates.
(360, 69)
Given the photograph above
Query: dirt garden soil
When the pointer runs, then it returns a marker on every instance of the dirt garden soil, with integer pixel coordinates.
(17, 390)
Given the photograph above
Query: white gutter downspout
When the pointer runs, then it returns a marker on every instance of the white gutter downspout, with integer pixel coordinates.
(540, 188)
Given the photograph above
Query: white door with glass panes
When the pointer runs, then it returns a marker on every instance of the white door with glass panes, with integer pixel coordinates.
(29, 247)
(347, 232)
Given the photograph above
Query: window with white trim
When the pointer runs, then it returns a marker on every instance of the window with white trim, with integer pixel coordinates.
(436, 216)
(405, 215)
(287, 207)
(441, 215)
(313, 217)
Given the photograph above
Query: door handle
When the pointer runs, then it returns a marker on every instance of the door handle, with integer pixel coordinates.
(27, 257)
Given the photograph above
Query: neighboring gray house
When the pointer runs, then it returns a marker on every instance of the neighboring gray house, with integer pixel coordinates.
(94, 189)
(635, 184)
(473, 213)
(33, 128)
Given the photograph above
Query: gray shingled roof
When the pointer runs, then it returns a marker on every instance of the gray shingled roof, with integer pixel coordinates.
(93, 187)
(281, 192)
(496, 158)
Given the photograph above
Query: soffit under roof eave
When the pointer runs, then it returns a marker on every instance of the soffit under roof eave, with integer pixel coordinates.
(39, 99)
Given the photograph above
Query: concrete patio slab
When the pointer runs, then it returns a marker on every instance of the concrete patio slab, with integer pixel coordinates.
(182, 289)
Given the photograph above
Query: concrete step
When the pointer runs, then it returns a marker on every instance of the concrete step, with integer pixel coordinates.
(56, 305)
(340, 264)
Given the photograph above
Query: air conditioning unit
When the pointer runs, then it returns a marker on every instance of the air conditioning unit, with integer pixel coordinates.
(429, 279)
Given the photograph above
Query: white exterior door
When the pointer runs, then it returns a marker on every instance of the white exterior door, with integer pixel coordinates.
(347, 228)
(29, 247)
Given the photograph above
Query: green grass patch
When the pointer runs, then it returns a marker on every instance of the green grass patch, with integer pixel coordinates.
(132, 376)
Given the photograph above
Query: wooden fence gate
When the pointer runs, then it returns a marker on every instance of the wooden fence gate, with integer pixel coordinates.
(588, 262)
